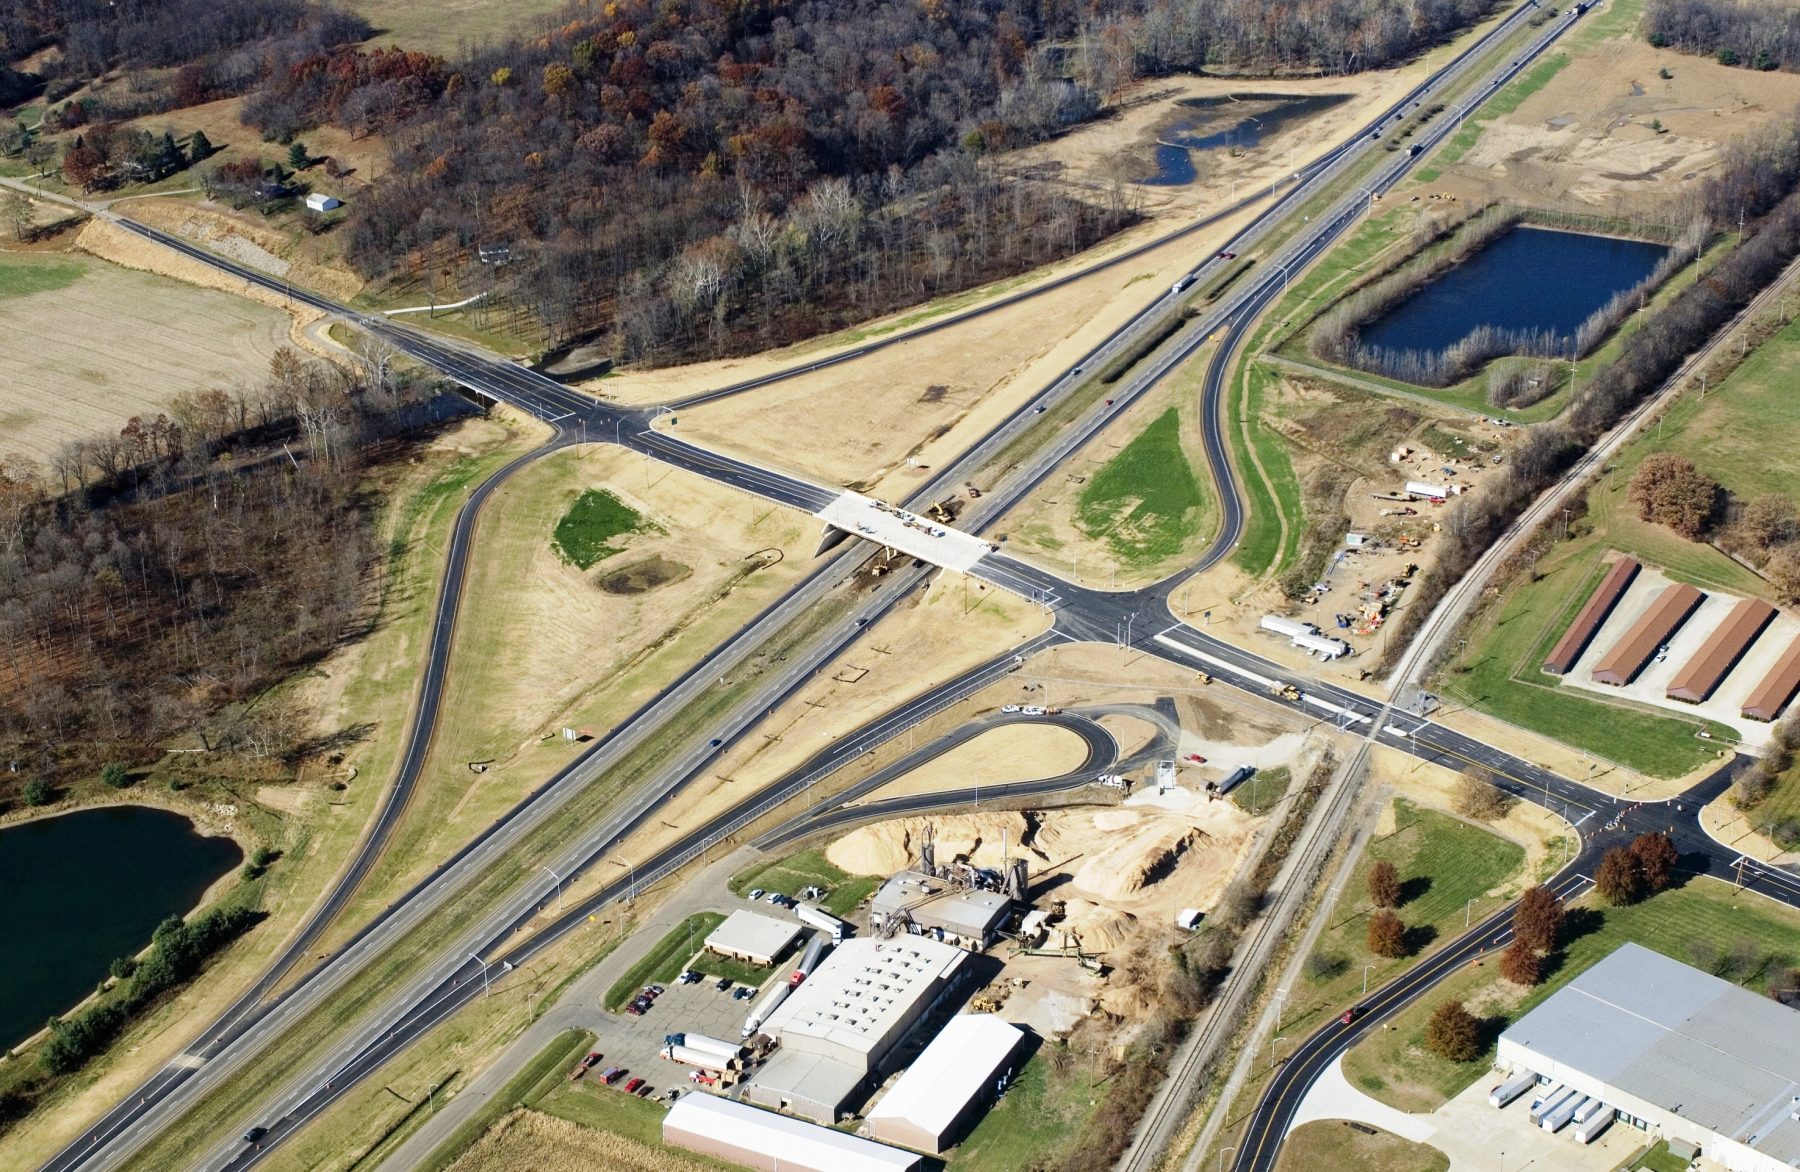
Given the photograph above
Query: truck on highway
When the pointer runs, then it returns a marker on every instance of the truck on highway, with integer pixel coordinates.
(1512, 1088)
(1183, 284)
(1285, 691)
(821, 920)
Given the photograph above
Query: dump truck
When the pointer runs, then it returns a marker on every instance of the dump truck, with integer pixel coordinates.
(1285, 691)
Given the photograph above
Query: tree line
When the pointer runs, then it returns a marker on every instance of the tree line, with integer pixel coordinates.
(153, 577)
(1735, 32)
(1757, 179)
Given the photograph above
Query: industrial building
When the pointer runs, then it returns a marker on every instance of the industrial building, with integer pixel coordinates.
(1675, 1052)
(839, 1025)
(753, 938)
(947, 1086)
(918, 903)
(774, 1143)
(1721, 652)
(1627, 657)
(1777, 688)
(1599, 605)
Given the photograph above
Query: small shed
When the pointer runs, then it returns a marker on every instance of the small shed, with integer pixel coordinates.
(318, 201)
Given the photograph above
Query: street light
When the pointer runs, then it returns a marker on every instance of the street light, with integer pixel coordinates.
(1467, 908)
(558, 878)
(1273, 1043)
(1222, 1156)
(1366, 969)
(484, 976)
(630, 891)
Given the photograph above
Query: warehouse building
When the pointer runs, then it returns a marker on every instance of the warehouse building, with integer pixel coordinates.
(774, 1143)
(1721, 652)
(753, 938)
(948, 1086)
(837, 1028)
(1777, 688)
(1627, 657)
(1675, 1052)
(914, 902)
(1581, 632)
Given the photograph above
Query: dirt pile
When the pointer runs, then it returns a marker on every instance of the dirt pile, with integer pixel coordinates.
(886, 847)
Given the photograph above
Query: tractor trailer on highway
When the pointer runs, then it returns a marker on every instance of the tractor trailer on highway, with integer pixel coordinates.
(821, 920)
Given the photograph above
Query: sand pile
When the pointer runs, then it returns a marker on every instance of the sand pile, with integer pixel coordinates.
(1149, 850)
(980, 839)
(1096, 928)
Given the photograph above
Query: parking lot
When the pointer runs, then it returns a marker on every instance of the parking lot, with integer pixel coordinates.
(636, 1042)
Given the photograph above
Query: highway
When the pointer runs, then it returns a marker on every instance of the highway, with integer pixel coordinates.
(1080, 614)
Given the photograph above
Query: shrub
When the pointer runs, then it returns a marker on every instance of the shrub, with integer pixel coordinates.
(122, 967)
(1453, 1033)
(114, 774)
(37, 792)
(1387, 935)
(1668, 490)
(1478, 797)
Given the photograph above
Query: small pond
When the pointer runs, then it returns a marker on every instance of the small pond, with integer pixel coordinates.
(1237, 121)
(84, 888)
(1527, 279)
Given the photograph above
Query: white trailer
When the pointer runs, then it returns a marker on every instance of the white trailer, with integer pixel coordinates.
(1431, 492)
(1555, 1120)
(1290, 628)
(815, 951)
(1587, 1132)
(1511, 1089)
(704, 1059)
(1587, 1111)
(1548, 1100)
(821, 920)
(715, 1046)
(1321, 645)
(774, 997)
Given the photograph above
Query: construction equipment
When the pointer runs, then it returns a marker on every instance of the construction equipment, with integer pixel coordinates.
(1285, 691)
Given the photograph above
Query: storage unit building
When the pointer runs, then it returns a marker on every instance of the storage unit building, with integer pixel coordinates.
(1599, 605)
(1777, 688)
(758, 939)
(761, 1139)
(947, 1086)
(1674, 1051)
(1721, 652)
(1627, 657)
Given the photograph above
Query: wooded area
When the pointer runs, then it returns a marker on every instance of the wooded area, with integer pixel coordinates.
(1737, 32)
(151, 579)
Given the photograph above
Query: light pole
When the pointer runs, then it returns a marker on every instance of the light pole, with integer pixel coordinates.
(1366, 969)
(1273, 1044)
(631, 890)
(558, 878)
(1222, 1156)
(484, 976)
(1467, 908)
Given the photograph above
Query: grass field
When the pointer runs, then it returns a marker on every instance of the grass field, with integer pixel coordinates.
(1335, 1144)
(92, 344)
(663, 963)
(1041, 1112)
(1443, 864)
(808, 868)
(446, 27)
(1739, 936)
(597, 516)
(1659, 1159)
(1263, 791)
(532, 1080)
(1145, 500)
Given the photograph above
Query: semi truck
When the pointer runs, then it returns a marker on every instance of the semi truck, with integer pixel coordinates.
(717, 1046)
(1291, 628)
(1587, 1111)
(1183, 284)
(829, 924)
(1548, 1100)
(703, 1059)
(809, 960)
(771, 1001)
(1511, 1089)
(1557, 1119)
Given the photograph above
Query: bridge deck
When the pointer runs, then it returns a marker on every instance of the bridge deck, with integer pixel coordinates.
(909, 533)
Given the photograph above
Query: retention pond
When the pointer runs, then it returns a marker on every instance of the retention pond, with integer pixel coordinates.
(1527, 281)
(1231, 122)
(85, 888)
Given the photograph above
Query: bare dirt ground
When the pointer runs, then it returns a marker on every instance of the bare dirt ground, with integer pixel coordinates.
(117, 343)
(246, 238)
(531, 1139)
(1589, 136)
(1128, 732)
(1020, 752)
(1725, 822)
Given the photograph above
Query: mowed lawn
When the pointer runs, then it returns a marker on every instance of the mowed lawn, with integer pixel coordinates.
(664, 962)
(791, 875)
(446, 27)
(1739, 936)
(90, 344)
(1443, 863)
(1335, 1144)
(585, 533)
(1146, 502)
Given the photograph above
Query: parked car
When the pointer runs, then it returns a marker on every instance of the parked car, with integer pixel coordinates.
(631, 1088)
(610, 1074)
(650, 992)
(689, 978)
(672, 1094)
(724, 984)
(701, 1077)
(775, 897)
(757, 893)
(741, 992)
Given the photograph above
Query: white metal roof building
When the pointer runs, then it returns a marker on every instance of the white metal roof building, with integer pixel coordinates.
(1676, 1051)
(836, 1028)
(922, 904)
(747, 936)
(745, 1135)
(946, 1085)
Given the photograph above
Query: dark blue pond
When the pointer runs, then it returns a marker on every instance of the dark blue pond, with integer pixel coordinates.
(1237, 122)
(1527, 279)
(84, 888)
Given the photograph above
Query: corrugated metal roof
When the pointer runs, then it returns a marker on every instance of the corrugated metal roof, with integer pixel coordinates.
(1625, 658)
(1568, 649)
(1699, 1047)
(863, 990)
(752, 934)
(756, 1130)
(960, 1062)
(1777, 688)
(1727, 644)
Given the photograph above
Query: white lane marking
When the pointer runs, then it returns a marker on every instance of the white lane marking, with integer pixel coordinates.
(1265, 681)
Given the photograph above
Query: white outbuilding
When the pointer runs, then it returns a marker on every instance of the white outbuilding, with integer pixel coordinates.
(764, 1140)
(948, 1085)
(318, 201)
(753, 938)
